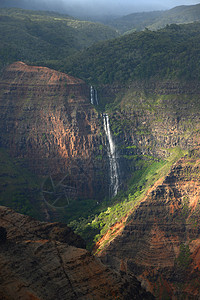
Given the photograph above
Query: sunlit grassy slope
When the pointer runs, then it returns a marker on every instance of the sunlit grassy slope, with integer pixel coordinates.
(106, 214)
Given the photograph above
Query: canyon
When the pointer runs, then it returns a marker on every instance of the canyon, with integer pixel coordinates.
(159, 240)
(50, 127)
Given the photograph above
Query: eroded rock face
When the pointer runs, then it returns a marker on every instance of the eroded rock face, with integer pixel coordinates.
(161, 240)
(48, 123)
(41, 261)
(152, 117)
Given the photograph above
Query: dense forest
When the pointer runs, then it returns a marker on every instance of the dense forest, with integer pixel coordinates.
(172, 52)
(34, 35)
(64, 43)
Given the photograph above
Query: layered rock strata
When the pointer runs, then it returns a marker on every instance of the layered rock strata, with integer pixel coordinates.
(161, 239)
(152, 117)
(47, 121)
(44, 261)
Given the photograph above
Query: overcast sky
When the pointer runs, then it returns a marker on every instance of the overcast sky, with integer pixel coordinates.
(97, 7)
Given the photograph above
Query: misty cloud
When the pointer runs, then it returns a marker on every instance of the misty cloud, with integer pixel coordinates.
(96, 7)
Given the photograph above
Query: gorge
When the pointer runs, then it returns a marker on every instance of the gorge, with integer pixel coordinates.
(66, 143)
(99, 160)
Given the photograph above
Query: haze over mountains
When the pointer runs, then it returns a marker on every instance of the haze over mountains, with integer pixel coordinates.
(94, 8)
(70, 35)
(156, 19)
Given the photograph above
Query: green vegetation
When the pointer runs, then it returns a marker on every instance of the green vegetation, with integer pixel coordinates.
(135, 21)
(19, 189)
(150, 171)
(170, 53)
(61, 42)
(177, 15)
(157, 19)
(92, 226)
(185, 207)
(183, 261)
(40, 36)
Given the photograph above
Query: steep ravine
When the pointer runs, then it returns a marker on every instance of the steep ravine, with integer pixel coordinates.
(50, 127)
(159, 242)
(49, 124)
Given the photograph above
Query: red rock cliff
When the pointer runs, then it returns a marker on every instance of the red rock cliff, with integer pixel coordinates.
(47, 121)
(42, 261)
(160, 242)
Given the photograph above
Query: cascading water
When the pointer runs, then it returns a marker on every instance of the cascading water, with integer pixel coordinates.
(93, 96)
(114, 167)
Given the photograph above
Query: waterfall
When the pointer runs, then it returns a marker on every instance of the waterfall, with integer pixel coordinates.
(93, 96)
(114, 168)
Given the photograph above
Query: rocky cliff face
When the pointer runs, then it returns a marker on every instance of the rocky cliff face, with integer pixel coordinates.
(47, 121)
(49, 125)
(152, 117)
(42, 261)
(160, 241)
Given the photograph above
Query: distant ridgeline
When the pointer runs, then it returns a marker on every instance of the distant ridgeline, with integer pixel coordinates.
(155, 20)
(55, 41)
(39, 36)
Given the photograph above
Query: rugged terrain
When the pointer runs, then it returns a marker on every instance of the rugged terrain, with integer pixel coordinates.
(159, 241)
(50, 127)
(46, 261)
(48, 122)
(158, 115)
(56, 160)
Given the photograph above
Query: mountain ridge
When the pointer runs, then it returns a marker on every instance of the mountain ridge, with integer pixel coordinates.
(169, 53)
(157, 19)
(31, 35)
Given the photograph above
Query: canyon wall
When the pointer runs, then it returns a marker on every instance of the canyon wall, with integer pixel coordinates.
(46, 261)
(48, 123)
(159, 241)
(151, 118)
